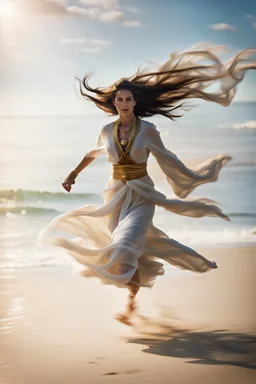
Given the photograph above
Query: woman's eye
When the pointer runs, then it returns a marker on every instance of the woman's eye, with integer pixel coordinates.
(122, 99)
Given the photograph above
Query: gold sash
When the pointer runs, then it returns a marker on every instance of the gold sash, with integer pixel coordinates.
(126, 168)
(126, 172)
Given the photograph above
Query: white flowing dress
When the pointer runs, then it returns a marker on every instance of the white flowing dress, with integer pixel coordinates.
(116, 239)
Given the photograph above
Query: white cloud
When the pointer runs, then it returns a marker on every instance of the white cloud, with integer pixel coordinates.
(131, 23)
(132, 9)
(81, 40)
(111, 16)
(92, 50)
(61, 8)
(91, 12)
(251, 124)
(99, 42)
(97, 14)
(223, 27)
(64, 2)
(250, 16)
(42, 7)
(254, 24)
(72, 41)
(114, 4)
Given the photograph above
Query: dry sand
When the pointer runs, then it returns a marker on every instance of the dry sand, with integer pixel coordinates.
(59, 328)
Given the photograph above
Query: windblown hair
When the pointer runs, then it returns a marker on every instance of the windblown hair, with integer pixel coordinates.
(181, 77)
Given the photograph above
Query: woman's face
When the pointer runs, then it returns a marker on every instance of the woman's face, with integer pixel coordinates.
(124, 102)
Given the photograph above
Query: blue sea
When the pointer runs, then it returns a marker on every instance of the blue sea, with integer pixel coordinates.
(37, 152)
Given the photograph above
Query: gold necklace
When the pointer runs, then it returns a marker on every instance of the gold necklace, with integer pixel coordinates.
(125, 130)
(125, 142)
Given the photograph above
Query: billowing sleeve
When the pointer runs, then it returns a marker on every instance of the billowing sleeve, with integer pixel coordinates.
(182, 179)
(99, 148)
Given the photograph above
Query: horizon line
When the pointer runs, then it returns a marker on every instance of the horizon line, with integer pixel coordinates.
(89, 114)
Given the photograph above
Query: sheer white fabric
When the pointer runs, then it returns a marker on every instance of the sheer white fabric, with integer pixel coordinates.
(114, 240)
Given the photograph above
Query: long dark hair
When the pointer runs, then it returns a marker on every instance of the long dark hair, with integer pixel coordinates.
(161, 91)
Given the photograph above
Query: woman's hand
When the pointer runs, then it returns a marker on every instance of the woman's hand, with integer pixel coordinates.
(69, 181)
(67, 185)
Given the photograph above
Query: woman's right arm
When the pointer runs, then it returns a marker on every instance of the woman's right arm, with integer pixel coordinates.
(70, 179)
(98, 150)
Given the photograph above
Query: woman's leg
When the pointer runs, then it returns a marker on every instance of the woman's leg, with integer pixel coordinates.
(131, 232)
(133, 287)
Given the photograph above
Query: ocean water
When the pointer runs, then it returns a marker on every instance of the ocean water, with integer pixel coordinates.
(38, 152)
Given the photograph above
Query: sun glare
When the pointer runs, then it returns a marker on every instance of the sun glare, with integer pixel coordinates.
(6, 9)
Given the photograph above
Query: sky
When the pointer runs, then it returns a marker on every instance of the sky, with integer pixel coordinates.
(45, 44)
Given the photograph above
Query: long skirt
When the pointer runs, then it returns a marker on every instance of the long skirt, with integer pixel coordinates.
(115, 240)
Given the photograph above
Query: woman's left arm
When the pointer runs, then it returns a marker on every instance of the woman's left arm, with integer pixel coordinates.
(182, 179)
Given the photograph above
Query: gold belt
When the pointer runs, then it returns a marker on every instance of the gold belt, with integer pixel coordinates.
(129, 171)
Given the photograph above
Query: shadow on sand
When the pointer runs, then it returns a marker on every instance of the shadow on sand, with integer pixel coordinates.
(201, 347)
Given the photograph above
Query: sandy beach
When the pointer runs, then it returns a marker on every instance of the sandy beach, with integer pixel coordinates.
(58, 327)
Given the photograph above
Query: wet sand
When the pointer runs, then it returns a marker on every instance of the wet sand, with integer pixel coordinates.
(59, 328)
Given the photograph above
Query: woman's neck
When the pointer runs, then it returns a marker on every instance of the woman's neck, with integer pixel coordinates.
(126, 121)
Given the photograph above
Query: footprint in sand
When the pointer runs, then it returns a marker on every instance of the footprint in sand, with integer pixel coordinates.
(122, 373)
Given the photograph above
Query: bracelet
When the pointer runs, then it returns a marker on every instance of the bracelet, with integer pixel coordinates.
(71, 177)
